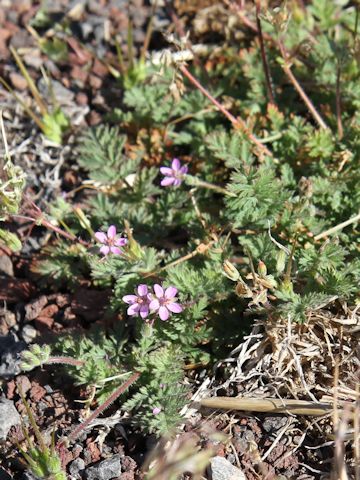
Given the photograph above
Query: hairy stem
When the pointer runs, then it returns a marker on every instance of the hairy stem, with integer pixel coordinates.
(101, 408)
(317, 117)
(65, 361)
(338, 104)
(237, 122)
(269, 88)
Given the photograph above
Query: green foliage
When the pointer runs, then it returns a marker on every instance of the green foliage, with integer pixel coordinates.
(101, 152)
(56, 124)
(161, 388)
(102, 356)
(260, 214)
(43, 462)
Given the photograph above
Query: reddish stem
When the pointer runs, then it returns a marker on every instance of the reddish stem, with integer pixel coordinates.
(237, 122)
(101, 408)
(263, 55)
(65, 361)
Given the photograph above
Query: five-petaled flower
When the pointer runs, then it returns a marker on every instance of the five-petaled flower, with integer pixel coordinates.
(139, 304)
(174, 175)
(164, 302)
(111, 242)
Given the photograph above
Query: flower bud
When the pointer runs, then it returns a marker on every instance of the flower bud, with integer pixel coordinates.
(34, 357)
(230, 271)
(262, 270)
(280, 261)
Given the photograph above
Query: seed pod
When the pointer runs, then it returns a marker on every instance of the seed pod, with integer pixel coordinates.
(230, 271)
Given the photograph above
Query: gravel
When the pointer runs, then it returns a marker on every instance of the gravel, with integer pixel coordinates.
(9, 417)
(105, 470)
(221, 469)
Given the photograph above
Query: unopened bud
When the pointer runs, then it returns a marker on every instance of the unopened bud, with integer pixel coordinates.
(280, 261)
(262, 270)
(34, 357)
(230, 271)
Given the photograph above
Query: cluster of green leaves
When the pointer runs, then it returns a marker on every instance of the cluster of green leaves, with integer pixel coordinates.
(267, 220)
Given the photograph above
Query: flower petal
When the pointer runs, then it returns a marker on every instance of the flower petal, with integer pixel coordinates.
(165, 182)
(133, 309)
(159, 291)
(170, 292)
(154, 305)
(129, 299)
(184, 169)
(144, 311)
(115, 250)
(174, 307)
(163, 313)
(177, 182)
(156, 410)
(166, 171)
(101, 237)
(175, 164)
(111, 233)
(120, 242)
(142, 290)
(104, 249)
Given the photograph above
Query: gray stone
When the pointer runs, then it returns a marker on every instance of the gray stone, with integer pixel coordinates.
(105, 470)
(6, 266)
(221, 469)
(10, 347)
(63, 95)
(76, 467)
(9, 417)
(28, 333)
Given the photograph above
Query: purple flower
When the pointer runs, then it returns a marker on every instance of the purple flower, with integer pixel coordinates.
(174, 175)
(165, 302)
(156, 410)
(111, 242)
(139, 304)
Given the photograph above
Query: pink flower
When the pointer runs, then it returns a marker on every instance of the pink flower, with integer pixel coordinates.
(156, 410)
(111, 242)
(139, 304)
(165, 303)
(174, 175)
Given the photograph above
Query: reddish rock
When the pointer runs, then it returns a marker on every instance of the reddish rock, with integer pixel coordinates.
(99, 68)
(81, 98)
(93, 450)
(95, 82)
(62, 300)
(13, 290)
(94, 118)
(7, 321)
(18, 81)
(79, 74)
(33, 309)
(37, 392)
(24, 383)
(10, 389)
(49, 311)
